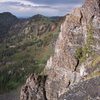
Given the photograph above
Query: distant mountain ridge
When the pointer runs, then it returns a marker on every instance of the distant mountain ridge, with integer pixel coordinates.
(6, 21)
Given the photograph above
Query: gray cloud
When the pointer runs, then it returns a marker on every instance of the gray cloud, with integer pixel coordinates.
(57, 1)
(46, 7)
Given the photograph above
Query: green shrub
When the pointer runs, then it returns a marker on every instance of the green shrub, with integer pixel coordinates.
(79, 53)
(83, 53)
(12, 85)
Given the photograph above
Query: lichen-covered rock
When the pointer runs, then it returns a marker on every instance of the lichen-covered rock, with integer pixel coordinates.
(80, 29)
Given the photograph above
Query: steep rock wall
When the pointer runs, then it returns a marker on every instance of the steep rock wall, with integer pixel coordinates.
(81, 29)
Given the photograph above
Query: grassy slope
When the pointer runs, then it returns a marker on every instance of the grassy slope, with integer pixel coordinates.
(19, 60)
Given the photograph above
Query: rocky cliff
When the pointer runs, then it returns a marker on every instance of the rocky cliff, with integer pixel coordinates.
(76, 58)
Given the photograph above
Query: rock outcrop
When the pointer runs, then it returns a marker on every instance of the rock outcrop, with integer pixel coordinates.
(76, 49)
(34, 88)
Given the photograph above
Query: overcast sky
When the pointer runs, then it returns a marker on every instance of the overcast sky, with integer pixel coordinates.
(27, 8)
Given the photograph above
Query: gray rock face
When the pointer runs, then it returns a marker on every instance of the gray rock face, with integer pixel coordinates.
(87, 90)
(74, 33)
(80, 29)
